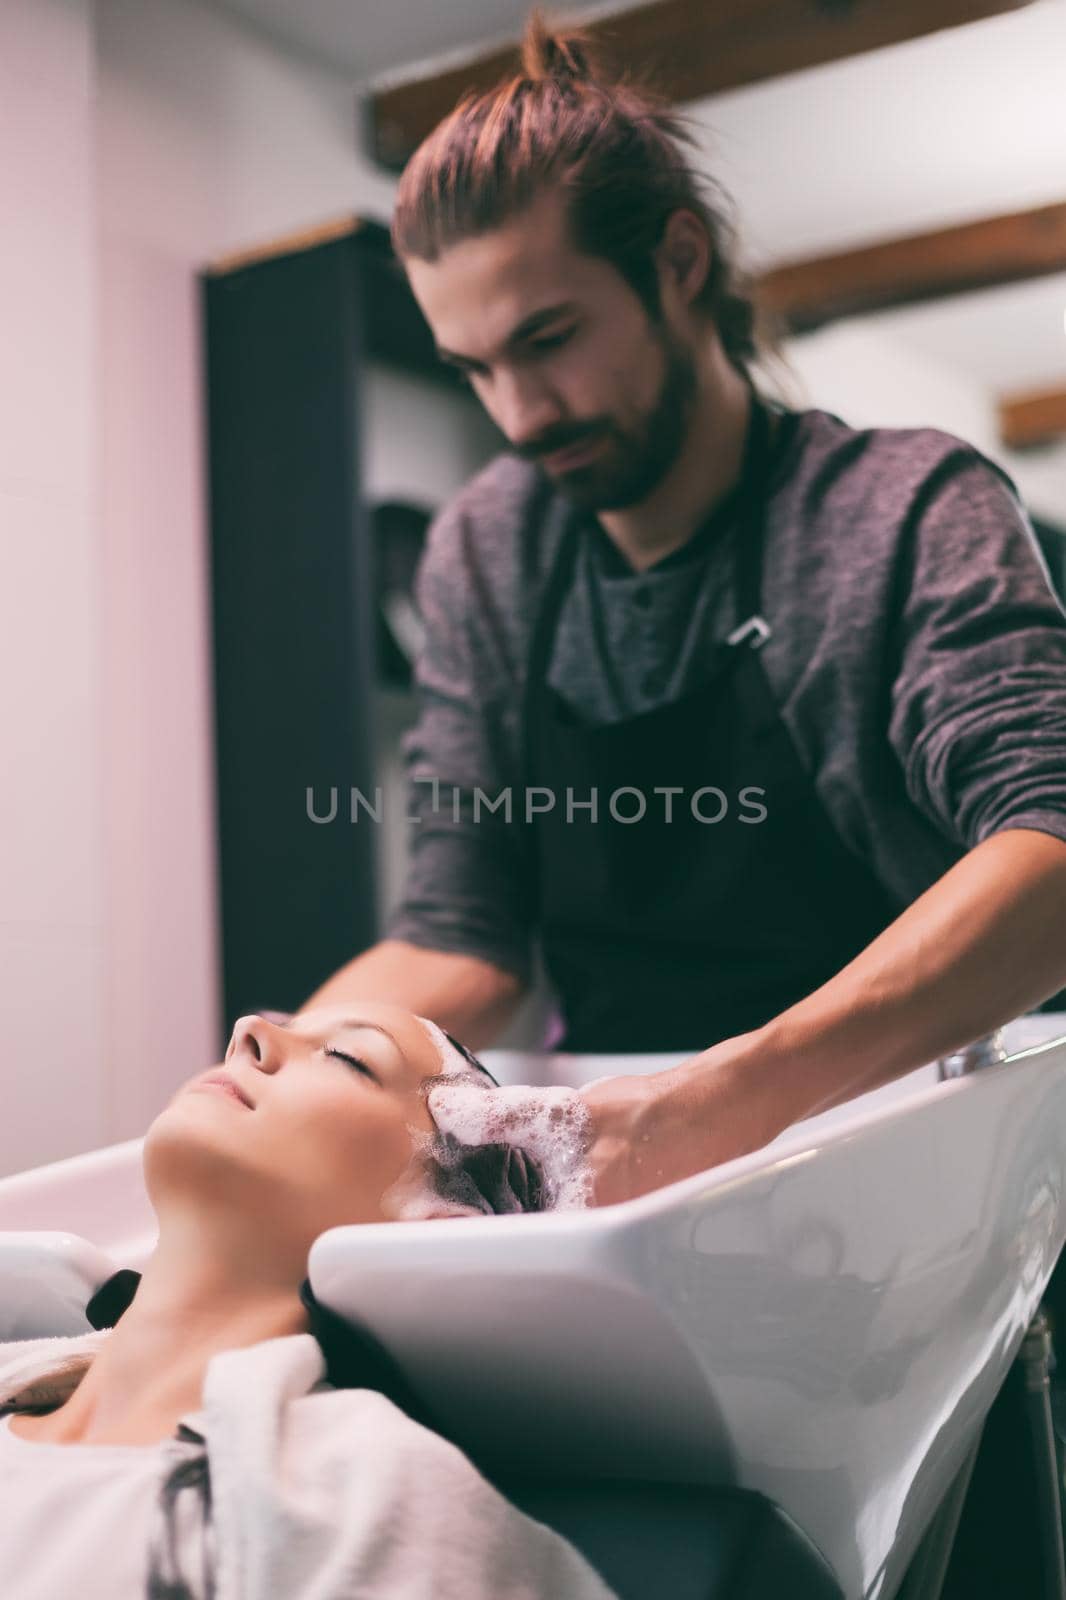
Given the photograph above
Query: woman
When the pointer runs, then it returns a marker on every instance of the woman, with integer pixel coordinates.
(197, 1449)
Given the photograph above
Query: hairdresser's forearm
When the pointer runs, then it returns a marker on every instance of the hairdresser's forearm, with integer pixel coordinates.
(472, 998)
(985, 943)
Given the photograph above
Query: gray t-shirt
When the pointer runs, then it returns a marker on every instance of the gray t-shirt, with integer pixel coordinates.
(918, 659)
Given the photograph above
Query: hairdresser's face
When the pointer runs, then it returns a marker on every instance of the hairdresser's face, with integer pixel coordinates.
(563, 355)
(332, 1099)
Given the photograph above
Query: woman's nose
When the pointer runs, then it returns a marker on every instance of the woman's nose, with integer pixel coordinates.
(258, 1041)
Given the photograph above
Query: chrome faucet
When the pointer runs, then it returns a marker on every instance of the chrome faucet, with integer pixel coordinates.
(972, 1057)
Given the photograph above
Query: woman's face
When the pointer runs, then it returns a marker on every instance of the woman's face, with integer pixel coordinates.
(315, 1126)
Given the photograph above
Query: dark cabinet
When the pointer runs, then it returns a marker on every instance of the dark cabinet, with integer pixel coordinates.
(287, 338)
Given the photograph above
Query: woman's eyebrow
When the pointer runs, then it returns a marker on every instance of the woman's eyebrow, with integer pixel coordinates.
(354, 1022)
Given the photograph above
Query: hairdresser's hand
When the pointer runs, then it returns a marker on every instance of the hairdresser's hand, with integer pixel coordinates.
(651, 1130)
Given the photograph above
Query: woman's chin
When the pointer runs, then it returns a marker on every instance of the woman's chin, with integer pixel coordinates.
(186, 1110)
(193, 1137)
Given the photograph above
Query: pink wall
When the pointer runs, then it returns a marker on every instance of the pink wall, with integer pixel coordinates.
(139, 140)
(52, 1014)
(209, 140)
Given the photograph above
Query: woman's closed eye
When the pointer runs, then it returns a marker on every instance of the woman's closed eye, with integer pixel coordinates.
(356, 1062)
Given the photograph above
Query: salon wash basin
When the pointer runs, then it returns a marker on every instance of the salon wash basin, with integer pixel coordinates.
(826, 1321)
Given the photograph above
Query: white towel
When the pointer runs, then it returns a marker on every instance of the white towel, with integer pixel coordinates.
(334, 1494)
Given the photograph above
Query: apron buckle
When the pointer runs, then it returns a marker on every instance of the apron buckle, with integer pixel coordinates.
(756, 628)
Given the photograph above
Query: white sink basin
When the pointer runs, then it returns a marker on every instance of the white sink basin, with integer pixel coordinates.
(826, 1321)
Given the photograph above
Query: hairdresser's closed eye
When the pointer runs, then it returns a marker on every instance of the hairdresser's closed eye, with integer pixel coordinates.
(551, 341)
(354, 1061)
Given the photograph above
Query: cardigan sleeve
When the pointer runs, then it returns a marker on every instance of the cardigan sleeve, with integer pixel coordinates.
(978, 704)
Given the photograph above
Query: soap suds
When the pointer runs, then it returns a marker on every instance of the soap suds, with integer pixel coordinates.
(551, 1125)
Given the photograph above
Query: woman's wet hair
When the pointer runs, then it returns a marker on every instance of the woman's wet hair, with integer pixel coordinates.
(491, 1178)
(494, 1179)
(469, 1057)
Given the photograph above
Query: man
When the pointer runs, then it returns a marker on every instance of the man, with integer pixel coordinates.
(813, 679)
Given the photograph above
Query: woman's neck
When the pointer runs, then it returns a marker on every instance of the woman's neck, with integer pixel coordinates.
(150, 1371)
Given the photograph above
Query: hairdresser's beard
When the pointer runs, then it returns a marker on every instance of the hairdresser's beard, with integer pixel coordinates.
(634, 461)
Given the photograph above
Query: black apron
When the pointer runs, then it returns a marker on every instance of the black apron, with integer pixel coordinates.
(672, 935)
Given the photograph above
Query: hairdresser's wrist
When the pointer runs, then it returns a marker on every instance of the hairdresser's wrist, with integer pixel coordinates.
(650, 1131)
(727, 1100)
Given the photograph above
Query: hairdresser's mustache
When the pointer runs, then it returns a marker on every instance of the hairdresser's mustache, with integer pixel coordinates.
(559, 439)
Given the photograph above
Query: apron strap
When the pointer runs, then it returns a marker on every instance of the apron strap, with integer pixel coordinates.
(752, 523)
(555, 591)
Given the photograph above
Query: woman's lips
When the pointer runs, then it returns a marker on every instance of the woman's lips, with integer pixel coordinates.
(227, 1086)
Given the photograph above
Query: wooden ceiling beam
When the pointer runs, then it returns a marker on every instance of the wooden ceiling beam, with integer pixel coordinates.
(802, 295)
(687, 49)
(1034, 418)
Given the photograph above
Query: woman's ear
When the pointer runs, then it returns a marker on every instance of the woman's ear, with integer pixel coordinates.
(413, 1198)
(416, 1211)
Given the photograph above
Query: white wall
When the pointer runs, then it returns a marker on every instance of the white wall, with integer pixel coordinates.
(965, 123)
(53, 1082)
(863, 370)
(871, 379)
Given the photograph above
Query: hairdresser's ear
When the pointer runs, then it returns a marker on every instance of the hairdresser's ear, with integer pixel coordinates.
(683, 257)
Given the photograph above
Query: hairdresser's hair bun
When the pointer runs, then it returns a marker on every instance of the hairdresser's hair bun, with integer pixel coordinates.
(546, 54)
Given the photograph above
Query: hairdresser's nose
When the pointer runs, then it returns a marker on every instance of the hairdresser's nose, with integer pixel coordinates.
(258, 1042)
(524, 408)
